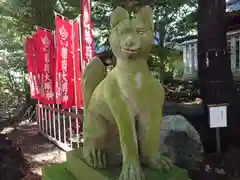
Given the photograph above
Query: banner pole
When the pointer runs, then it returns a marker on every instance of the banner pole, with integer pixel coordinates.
(54, 40)
(80, 42)
(58, 122)
(90, 5)
(39, 116)
(63, 17)
(75, 86)
(74, 65)
(53, 106)
(76, 18)
(39, 27)
(56, 69)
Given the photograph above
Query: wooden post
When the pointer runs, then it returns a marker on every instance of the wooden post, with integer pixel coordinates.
(195, 58)
(214, 66)
(233, 52)
(185, 59)
(190, 60)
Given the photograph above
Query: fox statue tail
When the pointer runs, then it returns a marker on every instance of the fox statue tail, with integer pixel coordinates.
(93, 74)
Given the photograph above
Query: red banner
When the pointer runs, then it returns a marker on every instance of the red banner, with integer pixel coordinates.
(64, 85)
(37, 67)
(45, 61)
(76, 62)
(32, 67)
(87, 38)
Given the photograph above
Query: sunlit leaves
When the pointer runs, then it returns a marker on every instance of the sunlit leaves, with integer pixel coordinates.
(172, 19)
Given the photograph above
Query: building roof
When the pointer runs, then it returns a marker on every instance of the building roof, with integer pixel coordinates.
(233, 5)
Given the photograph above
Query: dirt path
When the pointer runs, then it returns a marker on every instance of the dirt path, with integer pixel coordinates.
(38, 150)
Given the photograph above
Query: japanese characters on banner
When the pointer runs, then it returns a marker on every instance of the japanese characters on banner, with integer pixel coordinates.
(87, 38)
(76, 63)
(64, 88)
(32, 68)
(45, 58)
(55, 65)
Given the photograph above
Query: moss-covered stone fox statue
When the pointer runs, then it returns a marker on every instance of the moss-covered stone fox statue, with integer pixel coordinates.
(115, 102)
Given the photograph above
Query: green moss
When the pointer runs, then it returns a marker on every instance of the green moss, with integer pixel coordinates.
(57, 172)
(76, 165)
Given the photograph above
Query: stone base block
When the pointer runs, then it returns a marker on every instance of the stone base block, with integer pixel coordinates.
(76, 169)
(57, 172)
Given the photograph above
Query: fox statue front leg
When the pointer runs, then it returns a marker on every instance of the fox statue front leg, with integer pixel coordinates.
(125, 120)
(94, 131)
(149, 144)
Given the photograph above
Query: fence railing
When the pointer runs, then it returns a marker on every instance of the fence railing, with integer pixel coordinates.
(62, 127)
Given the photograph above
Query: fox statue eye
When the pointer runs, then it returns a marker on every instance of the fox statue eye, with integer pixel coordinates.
(141, 31)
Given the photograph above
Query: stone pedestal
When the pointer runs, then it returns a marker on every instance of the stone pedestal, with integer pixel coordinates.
(76, 169)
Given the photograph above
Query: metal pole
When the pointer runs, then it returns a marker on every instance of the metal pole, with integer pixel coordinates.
(46, 120)
(83, 4)
(54, 115)
(70, 129)
(54, 123)
(75, 80)
(89, 5)
(39, 116)
(45, 29)
(59, 125)
(64, 130)
(63, 17)
(80, 43)
(50, 121)
(42, 119)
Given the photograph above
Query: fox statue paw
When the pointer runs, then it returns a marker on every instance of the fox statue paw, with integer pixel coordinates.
(160, 162)
(131, 172)
(95, 158)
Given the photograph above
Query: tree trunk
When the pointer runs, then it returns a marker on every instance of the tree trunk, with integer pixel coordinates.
(214, 67)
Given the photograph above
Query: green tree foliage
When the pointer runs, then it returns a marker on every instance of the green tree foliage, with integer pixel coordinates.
(173, 19)
(17, 21)
(12, 65)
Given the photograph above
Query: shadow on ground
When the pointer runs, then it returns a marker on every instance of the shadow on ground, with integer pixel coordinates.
(38, 150)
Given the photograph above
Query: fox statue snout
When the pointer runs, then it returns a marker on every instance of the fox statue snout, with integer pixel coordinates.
(130, 45)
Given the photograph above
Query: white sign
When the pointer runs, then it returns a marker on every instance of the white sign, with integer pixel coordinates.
(218, 116)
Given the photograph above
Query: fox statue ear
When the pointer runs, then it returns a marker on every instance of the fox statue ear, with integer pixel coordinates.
(145, 14)
(118, 15)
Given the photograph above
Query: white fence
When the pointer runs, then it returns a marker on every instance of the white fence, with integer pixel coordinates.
(190, 53)
(60, 126)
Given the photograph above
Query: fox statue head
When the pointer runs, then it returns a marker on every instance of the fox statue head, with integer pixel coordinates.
(131, 38)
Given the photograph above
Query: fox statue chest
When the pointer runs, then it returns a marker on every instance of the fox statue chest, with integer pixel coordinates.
(139, 90)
